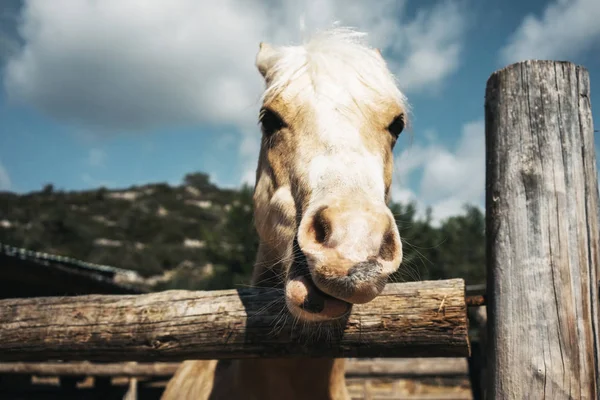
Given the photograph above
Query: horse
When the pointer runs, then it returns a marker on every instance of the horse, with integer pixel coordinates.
(331, 115)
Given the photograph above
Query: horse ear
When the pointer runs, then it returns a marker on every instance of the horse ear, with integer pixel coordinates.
(266, 57)
(379, 54)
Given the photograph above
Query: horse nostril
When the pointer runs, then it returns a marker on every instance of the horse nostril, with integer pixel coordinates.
(388, 247)
(321, 225)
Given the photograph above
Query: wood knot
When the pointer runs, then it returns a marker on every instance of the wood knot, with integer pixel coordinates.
(161, 342)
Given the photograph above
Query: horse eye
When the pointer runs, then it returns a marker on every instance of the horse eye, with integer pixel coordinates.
(397, 126)
(271, 122)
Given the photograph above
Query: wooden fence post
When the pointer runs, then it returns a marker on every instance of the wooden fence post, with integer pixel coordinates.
(542, 233)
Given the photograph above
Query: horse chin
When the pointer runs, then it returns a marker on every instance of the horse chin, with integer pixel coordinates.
(307, 302)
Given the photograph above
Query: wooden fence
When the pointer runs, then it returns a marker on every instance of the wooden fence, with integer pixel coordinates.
(404, 367)
(406, 320)
(543, 239)
(543, 234)
(404, 378)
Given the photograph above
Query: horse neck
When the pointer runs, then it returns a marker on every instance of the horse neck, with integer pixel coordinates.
(303, 378)
(290, 378)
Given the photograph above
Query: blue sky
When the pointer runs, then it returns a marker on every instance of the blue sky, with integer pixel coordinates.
(122, 92)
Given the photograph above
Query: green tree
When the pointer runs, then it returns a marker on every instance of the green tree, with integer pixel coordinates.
(420, 244)
(236, 247)
(463, 254)
(199, 180)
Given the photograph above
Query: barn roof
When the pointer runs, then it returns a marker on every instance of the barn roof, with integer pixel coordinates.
(27, 273)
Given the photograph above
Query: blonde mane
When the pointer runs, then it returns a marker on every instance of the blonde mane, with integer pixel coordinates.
(337, 59)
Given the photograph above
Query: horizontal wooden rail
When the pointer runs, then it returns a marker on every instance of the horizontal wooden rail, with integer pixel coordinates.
(407, 367)
(416, 319)
(404, 367)
(85, 368)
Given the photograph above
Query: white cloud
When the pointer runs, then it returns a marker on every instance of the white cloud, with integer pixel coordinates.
(450, 178)
(565, 29)
(96, 157)
(120, 65)
(5, 183)
(132, 65)
(433, 46)
(249, 157)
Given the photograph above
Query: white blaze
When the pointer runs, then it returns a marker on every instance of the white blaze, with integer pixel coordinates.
(351, 170)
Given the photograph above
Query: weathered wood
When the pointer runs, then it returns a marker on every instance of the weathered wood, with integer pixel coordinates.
(407, 367)
(432, 396)
(408, 319)
(542, 233)
(403, 367)
(86, 368)
(476, 295)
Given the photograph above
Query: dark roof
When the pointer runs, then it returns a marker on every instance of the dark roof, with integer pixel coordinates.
(27, 273)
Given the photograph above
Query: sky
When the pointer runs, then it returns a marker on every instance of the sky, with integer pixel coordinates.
(127, 92)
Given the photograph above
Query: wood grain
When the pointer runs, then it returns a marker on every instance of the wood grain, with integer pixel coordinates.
(86, 368)
(542, 233)
(408, 319)
(402, 367)
(407, 367)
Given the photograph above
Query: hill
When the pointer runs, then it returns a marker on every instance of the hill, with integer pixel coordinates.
(199, 236)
